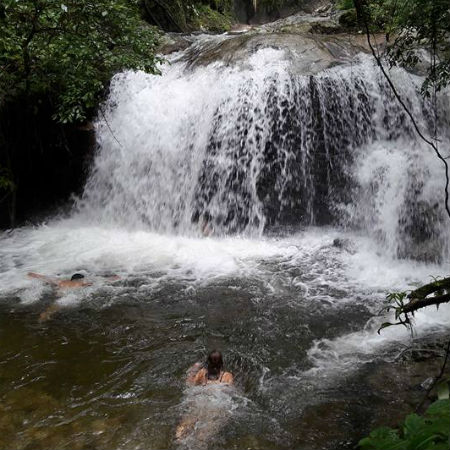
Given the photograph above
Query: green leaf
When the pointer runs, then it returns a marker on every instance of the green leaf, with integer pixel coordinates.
(382, 438)
(430, 432)
(439, 408)
(412, 423)
(80, 46)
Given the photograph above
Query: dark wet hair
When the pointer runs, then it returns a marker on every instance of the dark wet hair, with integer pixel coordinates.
(214, 363)
(77, 276)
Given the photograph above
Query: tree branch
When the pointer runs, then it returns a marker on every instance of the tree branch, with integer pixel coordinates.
(430, 288)
(420, 297)
(419, 303)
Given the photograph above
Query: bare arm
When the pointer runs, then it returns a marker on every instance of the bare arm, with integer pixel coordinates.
(113, 278)
(43, 278)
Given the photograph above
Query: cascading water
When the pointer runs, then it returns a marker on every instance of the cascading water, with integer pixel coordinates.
(256, 198)
(245, 148)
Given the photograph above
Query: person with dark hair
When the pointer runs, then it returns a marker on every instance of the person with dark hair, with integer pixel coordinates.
(209, 373)
(77, 280)
(76, 276)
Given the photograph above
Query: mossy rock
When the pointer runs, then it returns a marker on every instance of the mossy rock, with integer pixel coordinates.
(319, 27)
(168, 15)
(204, 18)
(298, 28)
(185, 16)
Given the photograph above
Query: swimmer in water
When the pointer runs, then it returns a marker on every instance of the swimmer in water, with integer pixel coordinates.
(201, 375)
(210, 373)
(76, 281)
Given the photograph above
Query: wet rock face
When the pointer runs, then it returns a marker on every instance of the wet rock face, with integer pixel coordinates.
(308, 53)
(187, 16)
(256, 12)
(167, 16)
(300, 150)
(244, 10)
(214, 16)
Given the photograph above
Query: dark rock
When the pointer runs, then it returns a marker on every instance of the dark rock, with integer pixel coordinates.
(174, 42)
(180, 16)
(344, 244)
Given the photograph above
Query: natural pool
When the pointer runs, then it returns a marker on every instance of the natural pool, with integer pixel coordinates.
(294, 315)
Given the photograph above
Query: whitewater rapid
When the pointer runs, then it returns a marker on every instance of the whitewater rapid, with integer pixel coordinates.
(305, 188)
(305, 264)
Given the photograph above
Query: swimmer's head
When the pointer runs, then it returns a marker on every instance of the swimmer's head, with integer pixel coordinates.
(214, 362)
(77, 276)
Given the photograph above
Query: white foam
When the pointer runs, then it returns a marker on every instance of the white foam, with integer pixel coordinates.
(346, 353)
(135, 218)
(66, 247)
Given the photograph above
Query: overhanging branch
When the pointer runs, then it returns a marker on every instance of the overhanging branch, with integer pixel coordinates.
(420, 298)
(417, 303)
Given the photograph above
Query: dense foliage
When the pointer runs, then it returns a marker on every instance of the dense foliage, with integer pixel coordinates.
(66, 51)
(411, 26)
(419, 24)
(56, 60)
(428, 432)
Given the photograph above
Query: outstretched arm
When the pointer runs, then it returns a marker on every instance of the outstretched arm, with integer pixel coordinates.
(112, 278)
(43, 278)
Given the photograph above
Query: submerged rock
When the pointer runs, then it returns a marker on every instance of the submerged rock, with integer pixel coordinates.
(344, 244)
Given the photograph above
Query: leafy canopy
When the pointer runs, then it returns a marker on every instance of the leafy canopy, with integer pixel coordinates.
(66, 51)
(414, 25)
(430, 432)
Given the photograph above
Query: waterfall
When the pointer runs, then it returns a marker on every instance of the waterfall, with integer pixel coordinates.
(244, 148)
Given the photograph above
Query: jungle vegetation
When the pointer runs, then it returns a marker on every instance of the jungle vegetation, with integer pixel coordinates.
(56, 60)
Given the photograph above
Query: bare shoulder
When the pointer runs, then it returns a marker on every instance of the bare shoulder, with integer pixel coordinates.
(34, 275)
(227, 377)
(42, 277)
(200, 377)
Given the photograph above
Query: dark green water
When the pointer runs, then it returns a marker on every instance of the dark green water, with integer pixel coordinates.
(294, 318)
(113, 377)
